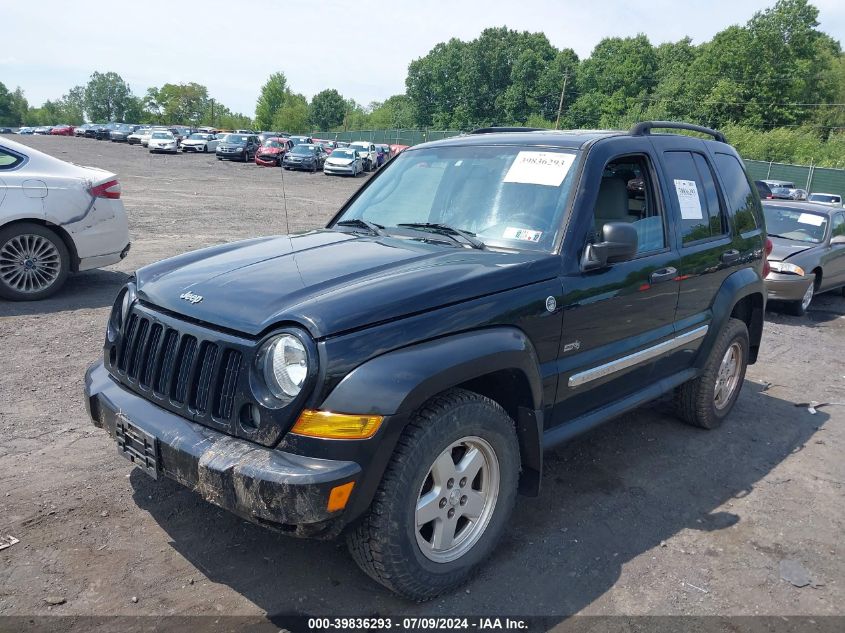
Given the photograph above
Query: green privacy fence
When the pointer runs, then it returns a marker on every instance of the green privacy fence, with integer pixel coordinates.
(388, 137)
(813, 179)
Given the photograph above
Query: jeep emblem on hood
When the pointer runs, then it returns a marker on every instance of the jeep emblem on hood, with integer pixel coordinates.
(190, 297)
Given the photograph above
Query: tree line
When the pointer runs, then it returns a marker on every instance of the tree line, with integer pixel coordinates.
(777, 84)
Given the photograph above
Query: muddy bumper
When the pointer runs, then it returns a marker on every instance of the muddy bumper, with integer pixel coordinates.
(280, 490)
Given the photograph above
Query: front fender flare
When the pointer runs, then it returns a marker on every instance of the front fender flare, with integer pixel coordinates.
(400, 381)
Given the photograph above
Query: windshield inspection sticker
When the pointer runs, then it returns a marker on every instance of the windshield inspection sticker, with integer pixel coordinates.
(811, 218)
(527, 235)
(688, 199)
(540, 168)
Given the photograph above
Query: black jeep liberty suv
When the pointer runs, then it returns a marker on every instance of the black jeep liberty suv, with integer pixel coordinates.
(396, 376)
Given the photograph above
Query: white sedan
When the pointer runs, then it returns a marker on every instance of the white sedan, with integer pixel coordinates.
(55, 218)
(163, 142)
(200, 142)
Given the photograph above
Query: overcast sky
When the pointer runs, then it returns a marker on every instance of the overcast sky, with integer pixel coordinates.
(360, 47)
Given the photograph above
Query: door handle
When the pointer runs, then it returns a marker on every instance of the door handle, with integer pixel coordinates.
(729, 257)
(663, 274)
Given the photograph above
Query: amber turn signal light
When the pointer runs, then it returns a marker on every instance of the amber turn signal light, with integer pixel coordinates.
(336, 426)
(339, 496)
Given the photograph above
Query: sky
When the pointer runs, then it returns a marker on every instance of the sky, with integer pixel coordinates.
(362, 48)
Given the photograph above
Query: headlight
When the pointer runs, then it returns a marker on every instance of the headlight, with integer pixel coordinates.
(284, 363)
(240, 149)
(787, 268)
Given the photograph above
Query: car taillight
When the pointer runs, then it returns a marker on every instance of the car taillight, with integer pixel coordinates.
(110, 189)
(767, 251)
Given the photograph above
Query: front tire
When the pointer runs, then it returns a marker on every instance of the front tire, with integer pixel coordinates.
(706, 401)
(34, 262)
(444, 500)
(799, 308)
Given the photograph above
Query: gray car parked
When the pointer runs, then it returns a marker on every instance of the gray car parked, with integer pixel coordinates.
(808, 256)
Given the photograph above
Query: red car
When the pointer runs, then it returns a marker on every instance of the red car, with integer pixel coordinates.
(327, 145)
(272, 151)
(62, 130)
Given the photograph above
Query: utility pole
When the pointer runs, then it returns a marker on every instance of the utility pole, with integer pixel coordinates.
(560, 105)
(212, 112)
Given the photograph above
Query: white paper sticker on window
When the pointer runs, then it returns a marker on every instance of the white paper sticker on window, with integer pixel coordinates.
(540, 168)
(811, 218)
(527, 235)
(688, 199)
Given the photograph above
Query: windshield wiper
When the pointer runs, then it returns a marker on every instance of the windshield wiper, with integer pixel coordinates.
(372, 227)
(449, 231)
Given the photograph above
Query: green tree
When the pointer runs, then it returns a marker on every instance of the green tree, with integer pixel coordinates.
(327, 109)
(13, 106)
(274, 96)
(292, 116)
(107, 97)
(396, 112)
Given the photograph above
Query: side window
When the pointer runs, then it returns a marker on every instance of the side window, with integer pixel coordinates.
(738, 194)
(8, 160)
(691, 181)
(627, 194)
(838, 225)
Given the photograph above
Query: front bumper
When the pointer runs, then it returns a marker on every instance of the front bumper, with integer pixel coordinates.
(346, 170)
(268, 160)
(785, 287)
(270, 487)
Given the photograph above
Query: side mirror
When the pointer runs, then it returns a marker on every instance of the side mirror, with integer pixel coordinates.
(619, 244)
(838, 240)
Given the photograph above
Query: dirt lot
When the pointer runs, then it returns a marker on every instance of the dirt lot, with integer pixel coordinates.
(642, 516)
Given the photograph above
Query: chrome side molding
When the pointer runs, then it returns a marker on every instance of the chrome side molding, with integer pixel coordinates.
(588, 375)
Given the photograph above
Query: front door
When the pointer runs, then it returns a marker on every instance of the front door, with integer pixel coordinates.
(619, 319)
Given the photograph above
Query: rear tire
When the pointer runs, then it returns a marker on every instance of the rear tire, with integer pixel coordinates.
(47, 262)
(454, 433)
(706, 401)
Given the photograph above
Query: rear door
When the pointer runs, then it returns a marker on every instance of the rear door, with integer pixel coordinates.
(703, 230)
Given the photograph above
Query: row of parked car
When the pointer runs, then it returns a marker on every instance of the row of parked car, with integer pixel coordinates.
(786, 190)
(265, 148)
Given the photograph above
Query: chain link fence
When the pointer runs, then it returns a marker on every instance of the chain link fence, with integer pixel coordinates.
(813, 179)
(387, 137)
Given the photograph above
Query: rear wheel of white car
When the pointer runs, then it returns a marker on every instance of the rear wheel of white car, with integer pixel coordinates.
(34, 262)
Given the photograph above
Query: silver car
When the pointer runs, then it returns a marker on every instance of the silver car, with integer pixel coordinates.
(343, 162)
(808, 254)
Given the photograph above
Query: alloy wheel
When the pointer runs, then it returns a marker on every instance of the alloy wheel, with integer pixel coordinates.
(807, 299)
(727, 379)
(29, 263)
(457, 499)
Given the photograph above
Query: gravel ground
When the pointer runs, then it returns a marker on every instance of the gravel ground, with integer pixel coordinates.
(642, 516)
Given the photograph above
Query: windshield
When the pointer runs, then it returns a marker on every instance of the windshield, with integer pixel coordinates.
(343, 153)
(361, 147)
(795, 224)
(507, 196)
(162, 135)
(272, 143)
(824, 197)
(235, 138)
(304, 149)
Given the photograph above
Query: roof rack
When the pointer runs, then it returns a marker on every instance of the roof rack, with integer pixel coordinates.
(645, 127)
(493, 130)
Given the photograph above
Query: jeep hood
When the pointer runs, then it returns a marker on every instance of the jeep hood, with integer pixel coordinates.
(783, 249)
(330, 281)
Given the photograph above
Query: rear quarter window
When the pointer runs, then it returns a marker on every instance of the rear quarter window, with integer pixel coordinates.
(738, 195)
(9, 160)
